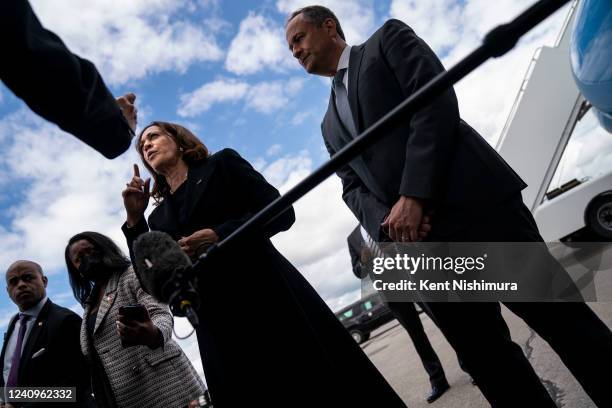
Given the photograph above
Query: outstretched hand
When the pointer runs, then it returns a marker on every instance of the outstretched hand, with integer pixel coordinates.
(128, 108)
(136, 197)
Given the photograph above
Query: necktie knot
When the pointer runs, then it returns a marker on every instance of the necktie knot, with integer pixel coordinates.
(23, 317)
(339, 77)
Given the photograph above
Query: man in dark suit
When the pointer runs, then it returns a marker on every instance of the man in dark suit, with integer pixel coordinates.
(41, 347)
(361, 255)
(436, 162)
(60, 86)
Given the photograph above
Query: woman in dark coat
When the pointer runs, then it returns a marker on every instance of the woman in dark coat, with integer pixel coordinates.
(267, 337)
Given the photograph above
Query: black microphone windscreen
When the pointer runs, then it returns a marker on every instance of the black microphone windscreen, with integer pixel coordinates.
(157, 256)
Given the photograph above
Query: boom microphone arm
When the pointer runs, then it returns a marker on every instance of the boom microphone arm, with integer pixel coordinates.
(496, 43)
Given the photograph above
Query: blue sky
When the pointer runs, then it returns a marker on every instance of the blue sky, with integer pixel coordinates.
(222, 69)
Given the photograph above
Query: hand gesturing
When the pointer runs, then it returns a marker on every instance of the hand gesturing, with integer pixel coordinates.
(136, 197)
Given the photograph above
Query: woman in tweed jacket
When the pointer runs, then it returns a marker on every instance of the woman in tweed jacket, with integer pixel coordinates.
(151, 370)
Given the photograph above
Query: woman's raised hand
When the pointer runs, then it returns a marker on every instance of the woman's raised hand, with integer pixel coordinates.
(136, 197)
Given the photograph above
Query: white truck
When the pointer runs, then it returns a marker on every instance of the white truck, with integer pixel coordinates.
(548, 113)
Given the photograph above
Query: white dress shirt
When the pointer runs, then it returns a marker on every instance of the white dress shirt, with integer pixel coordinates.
(344, 63)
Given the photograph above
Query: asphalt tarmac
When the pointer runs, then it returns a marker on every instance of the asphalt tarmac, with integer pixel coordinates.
(392, 352)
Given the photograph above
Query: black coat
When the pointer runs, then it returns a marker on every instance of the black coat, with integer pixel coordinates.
(476, 197)
(267, 338)
(56, 84)
(434, 155)
(61, 364)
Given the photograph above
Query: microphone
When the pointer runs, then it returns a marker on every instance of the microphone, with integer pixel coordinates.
(166, 273)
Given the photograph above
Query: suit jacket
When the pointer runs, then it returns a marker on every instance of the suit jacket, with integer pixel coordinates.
(56, 84)
(355, 245)
(140, 376)
(433, 155)
(61, 363)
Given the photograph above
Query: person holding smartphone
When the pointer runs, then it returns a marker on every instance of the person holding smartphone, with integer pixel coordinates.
(126, 334)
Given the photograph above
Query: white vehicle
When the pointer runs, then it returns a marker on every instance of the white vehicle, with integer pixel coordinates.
(548, 115)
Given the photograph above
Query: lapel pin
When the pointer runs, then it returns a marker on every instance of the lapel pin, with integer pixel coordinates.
(40, 323)
(199, 181)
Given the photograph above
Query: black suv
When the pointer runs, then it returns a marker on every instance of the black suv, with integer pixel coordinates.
(364, 316)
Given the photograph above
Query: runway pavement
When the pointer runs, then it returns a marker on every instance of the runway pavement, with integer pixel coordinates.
(392, 352)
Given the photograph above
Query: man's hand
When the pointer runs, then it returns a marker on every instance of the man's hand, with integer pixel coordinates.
(425, 226)
(130, 113)
(404, 221)
(198, 242)
(136, 197)
(366, 255)
(134, 332)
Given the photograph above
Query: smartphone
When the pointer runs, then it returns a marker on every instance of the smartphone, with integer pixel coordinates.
(133, 312)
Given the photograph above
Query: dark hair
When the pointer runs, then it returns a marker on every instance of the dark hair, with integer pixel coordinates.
(112, 258)
(37, 267)
(317, 15)
(193, 151)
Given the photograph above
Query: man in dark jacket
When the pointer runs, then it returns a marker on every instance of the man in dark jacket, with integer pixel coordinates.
(41, 347)
(361, 255)
(434, 161)
(60, 86)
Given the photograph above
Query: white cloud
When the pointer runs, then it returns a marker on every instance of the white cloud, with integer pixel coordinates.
(67, 188)
(267, 97)
(588, 153)
(285, 172)
(128, 40)
(259, 163)
(203, 98)
(438, 22)
(323, 223)
(333, 278)
(260, 43)
(274, 150)
(316, 243)
(5, 316)
(264, 97)
(453, 30)
(216, 25)
(214, 4)
(183, 328)
(301, 117)
(356, 17)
